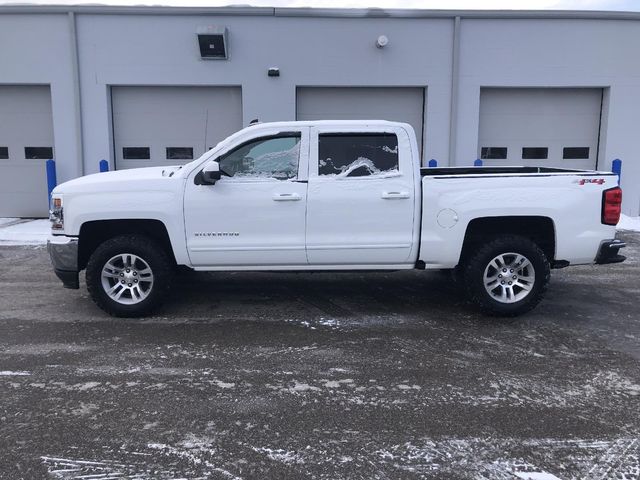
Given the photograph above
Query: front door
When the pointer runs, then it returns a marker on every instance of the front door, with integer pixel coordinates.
(255, 214)
(362, 203)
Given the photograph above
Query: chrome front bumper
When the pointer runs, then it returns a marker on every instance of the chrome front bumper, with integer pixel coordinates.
(64, 258)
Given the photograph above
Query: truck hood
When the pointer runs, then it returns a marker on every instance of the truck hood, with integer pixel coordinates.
(154, 178)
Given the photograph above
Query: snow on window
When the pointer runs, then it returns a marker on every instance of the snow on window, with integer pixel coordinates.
(358, 154)
(270, 157)
(388, 150)
(361, 167)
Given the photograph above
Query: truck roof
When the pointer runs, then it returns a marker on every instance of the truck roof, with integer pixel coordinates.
(312, 123)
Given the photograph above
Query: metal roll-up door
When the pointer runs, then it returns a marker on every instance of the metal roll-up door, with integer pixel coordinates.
(555, 127)
(399, 104)
(171, 125)
(26, 142)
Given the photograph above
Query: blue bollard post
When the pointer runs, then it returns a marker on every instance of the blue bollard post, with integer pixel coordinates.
(477, 162)
(433, 163)
(104, 166)
(616, 167)
(51, 176)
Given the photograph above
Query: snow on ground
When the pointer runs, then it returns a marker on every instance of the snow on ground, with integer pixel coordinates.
(14, 231)
(4, 221)
(629, 223)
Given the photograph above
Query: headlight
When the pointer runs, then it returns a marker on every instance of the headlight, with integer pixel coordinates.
(56, 216)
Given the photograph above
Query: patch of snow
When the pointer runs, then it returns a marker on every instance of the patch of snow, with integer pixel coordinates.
(279, 455)
(33, 232)
(629, 223)
(337, 383)
(328, 323)
(5, 220)
(408, 387)
(331, 384)
(222, 384)
(302, 387)
(197, 457)
(9, 373)
(85, 409)
(536, 476)
(86, 386)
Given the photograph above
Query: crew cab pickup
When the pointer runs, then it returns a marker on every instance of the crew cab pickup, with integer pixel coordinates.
(330, 195)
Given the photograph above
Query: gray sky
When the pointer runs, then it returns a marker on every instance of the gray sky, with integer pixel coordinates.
(630, 5)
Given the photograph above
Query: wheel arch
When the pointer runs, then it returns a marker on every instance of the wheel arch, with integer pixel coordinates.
(539, 229)
(93, 233)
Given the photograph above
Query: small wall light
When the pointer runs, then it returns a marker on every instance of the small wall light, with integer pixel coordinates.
(273, 72)
(382, 41)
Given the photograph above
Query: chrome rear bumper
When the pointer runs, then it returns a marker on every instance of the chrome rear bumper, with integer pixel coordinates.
(608, 252)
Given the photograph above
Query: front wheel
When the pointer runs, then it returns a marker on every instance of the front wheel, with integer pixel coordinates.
(507, 276)
(129, 276)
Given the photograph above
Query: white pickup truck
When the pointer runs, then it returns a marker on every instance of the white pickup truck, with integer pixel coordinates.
(330, 195)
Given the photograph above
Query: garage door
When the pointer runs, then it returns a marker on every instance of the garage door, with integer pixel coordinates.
(171, 125)
(402, 104)
(26, 142)
(556, 127)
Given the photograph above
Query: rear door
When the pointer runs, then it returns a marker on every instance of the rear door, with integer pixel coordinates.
(361, 199)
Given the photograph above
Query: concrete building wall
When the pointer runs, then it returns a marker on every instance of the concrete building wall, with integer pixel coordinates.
(452, 59)
(556, 53)
(37, 49)
(162, 50)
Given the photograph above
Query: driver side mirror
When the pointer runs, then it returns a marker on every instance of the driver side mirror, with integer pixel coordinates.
(211, 173)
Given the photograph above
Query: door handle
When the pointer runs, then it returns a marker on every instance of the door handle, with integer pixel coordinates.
(286, 197)
(394, 195)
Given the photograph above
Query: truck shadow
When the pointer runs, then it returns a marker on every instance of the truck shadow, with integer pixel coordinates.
(322, 298)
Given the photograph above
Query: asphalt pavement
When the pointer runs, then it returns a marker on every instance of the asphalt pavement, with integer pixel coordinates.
(320, 376)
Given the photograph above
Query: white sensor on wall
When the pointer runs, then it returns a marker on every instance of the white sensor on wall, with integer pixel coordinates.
(382, 41)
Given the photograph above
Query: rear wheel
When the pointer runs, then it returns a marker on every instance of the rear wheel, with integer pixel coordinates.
(129, 276)
(507, 276)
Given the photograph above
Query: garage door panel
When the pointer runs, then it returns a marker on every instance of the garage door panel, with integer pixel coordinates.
(25, 121)
(24, 189)
(554, 118)
(140, 125)
(161, 117)
(401, 104)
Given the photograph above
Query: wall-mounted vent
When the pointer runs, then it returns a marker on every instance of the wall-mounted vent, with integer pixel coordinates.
(213, 43)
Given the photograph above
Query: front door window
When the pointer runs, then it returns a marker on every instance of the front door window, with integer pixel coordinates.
(267, 157)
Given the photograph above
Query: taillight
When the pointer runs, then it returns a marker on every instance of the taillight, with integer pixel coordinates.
(611, 206)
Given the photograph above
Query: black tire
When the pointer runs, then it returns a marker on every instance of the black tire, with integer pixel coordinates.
(476, 264)
(147, 249)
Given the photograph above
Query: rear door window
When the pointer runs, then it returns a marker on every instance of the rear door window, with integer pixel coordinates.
(344, 155)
